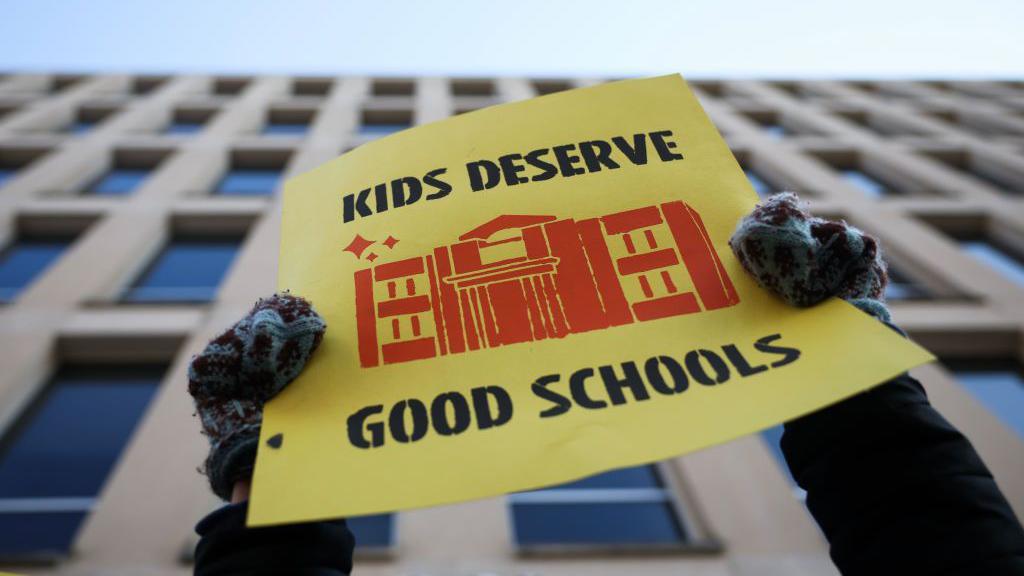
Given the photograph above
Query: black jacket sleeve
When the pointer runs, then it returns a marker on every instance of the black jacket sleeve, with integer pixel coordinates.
(898, 490)
(227, 547)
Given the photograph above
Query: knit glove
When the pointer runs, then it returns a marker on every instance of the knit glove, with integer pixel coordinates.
(240, 371)
(804, 259)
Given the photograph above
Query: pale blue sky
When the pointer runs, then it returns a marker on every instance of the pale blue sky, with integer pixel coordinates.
(823, 38)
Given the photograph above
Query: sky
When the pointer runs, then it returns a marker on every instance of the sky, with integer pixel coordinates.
(725, 39)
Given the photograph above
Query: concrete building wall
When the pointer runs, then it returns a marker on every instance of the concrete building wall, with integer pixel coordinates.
(952, 155)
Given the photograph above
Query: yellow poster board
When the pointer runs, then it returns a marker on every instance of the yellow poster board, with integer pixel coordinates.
(532, 293)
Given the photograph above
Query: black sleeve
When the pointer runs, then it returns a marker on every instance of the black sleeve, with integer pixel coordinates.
(898, 490)
(227, 547)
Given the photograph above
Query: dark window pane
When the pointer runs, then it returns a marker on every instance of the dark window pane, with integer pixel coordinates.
(74, 435)
(626, 506)
(866, 184)
(25, 534)
(183, 128)
(901, 287)
(64, 447)
(472, 88)
(393, 87)
(371, 531)
(118, 182)
(1001, 391)
(185, 271)
(997, 184)
(6, 174)
(285, 129)
(636, 477)
(249, 183)
(80, 127)
(774, 130)
(596, 523)
(772, 438)
(1002, 262)
(551, 86)
(22, 262)
(900, 291)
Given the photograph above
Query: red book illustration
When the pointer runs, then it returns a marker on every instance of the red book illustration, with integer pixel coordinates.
(523, 278)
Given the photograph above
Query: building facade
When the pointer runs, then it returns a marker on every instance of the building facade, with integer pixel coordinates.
(139, 217)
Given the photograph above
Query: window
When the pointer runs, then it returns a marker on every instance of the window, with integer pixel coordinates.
(866, 184)
(967, 164)
(24, 260)
(147, 84)
(630, 506)
(1004, 263)
(991, 181)
(229, 86)
(393, 87)
(118, 182)
(472, 87)
(858, 117)
(902, 287)
(376, 531)
(129, 170)
(62, 83)
(6, 109)
(377, 123)
(285, 129)
(791, 88)
(57, 457)
(187, 121)
(712, 89)
(186, 270)
(772, 438)
(869, 175)
(288, 122)
(14, 159)
(182, 128)
(80, 127)
(312, 87)
(254, 172)
(998, 386)
(249, 182)
(769, 123)
(543, 87)
(869, 87)
(88, 118)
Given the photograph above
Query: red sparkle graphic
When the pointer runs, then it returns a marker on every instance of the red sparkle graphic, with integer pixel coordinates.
(371, 256)
(390, 242)
(358, 245)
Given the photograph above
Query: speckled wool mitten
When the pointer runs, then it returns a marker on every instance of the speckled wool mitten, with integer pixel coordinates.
(804, 259)
(241, 370)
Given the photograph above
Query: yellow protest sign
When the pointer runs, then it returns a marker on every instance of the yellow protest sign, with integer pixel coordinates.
(533, 293)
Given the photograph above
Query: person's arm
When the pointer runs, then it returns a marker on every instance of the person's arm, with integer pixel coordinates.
(230, 381)
(895, 488)
(227, 548)
(898, 490)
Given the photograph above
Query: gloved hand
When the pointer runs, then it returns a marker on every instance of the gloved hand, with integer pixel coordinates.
(240, 371)
(804, 259)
